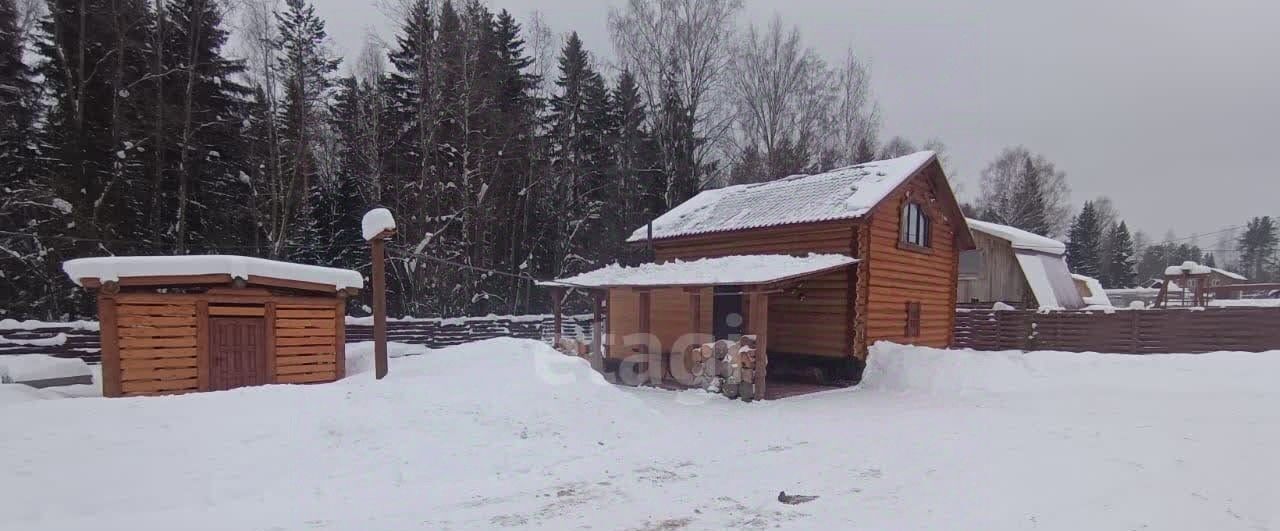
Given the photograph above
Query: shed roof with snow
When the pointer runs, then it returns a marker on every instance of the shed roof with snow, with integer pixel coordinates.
(845, 193)
(1020, 239)
(175, 268)
(723, 271)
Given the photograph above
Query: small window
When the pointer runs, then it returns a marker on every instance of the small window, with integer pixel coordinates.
(913, 319)
(971, 264)
(915, 225)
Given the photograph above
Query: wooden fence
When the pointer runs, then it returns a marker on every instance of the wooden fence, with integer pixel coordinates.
(81, 341)
(1122, 331)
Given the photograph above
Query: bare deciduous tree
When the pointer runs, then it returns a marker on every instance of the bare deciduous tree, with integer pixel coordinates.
(1025, 190)
(780, 93)
(682, 46)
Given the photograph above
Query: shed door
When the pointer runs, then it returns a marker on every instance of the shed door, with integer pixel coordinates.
(237, 352)
(726, 309)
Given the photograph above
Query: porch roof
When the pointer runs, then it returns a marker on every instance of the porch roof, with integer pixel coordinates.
(741, 270)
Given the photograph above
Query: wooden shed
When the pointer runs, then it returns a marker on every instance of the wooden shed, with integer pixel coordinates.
(179, 324)
(1012, 266)
(879, 241)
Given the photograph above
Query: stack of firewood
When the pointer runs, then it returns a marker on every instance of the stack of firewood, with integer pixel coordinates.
(727, 367)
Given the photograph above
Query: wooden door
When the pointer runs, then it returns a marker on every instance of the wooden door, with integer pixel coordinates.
(237, 352)
(726, 313)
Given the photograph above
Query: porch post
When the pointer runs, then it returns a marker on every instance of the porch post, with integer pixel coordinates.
(597, 353)
(646, 331)
(759, 325)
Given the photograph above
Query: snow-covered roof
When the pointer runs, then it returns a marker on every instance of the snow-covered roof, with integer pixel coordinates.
(1245, 303)
(845, 193)
(1229, 274)
(1187, 267)
(113, 268)
(1049, 280)
(729, 270)
(1020, 239)
(1097, 296)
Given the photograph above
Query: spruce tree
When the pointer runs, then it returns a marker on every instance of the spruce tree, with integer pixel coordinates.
(578, 124)
(1084, 242)
(1258, 249)
(30, 281)
(1210, 261)
(1121, 272)
(207, 107)
(1030, 199)
(636, 161)
(306, 69)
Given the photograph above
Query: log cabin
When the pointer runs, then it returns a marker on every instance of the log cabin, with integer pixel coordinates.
(1012, 266)
(181, 324)
(815, 267)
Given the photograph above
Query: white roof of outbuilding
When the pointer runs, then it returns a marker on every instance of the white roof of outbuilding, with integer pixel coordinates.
(113, 268)
(1020, 239)
(725, 271)
(1049, 280)
(845, 193)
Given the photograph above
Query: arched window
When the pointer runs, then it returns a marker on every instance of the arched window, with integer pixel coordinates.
(915, 225)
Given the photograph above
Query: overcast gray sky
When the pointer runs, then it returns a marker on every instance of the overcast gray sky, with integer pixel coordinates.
(1169, 107)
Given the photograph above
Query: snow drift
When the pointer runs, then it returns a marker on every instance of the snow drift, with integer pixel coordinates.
(509, 434)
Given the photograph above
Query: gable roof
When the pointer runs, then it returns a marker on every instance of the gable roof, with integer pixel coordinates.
(751, 269)
(1020, 239)
(845, 193)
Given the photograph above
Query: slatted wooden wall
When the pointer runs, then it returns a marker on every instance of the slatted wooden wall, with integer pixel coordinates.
(157, 348)
(308, 342)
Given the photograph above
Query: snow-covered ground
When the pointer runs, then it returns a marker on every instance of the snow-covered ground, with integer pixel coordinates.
(507, 433)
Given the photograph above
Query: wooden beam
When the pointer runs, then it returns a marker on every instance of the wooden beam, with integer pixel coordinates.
(269, 317)
(176, 280)
(340, 338)
(204, 367)
(597, 353)
(109, 336)
(759, 327)
(292, 284)
(379, 287)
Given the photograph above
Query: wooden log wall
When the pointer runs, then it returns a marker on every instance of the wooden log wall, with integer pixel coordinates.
(899, 275)
(1122, 332)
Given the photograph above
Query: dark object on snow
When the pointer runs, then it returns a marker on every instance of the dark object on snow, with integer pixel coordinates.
(794, 499)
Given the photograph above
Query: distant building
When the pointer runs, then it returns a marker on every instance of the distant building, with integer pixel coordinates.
(1015, 267)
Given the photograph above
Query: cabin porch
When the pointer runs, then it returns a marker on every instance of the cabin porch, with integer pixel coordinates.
(762, 323)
